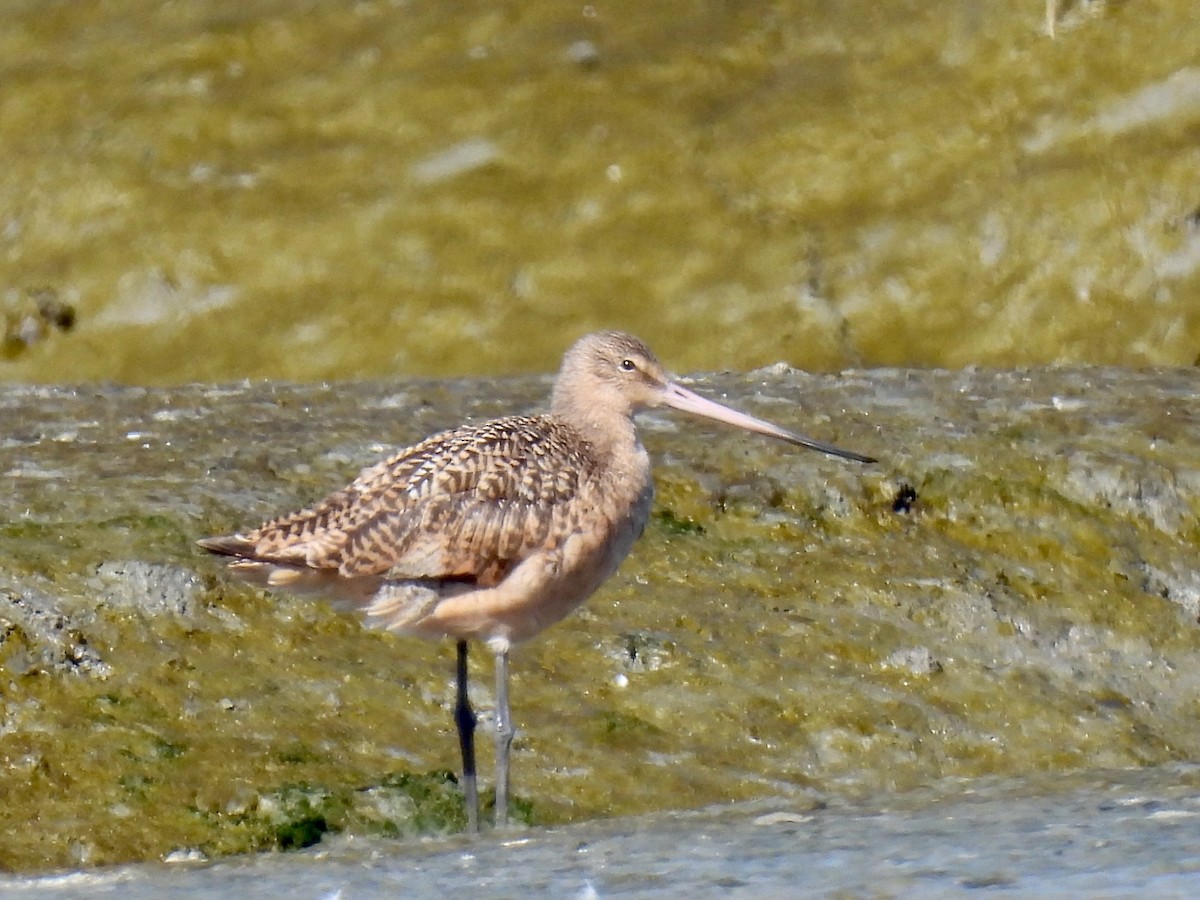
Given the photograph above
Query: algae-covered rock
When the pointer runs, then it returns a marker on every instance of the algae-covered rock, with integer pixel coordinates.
(1010, 590)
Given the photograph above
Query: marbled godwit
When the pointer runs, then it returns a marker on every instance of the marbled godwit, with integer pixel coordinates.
(495, 531)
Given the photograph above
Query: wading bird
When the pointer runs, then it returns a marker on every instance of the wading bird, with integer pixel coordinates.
(492, 532)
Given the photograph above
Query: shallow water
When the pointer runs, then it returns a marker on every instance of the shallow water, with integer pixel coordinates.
(1109, 834)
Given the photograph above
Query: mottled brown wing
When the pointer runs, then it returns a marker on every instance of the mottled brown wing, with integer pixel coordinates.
(466, 504)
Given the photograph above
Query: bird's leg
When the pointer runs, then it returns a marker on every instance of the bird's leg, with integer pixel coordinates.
(464, 718)
(504, 737)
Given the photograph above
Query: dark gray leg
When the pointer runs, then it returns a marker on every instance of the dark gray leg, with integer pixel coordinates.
(464, 718)
(504, 737)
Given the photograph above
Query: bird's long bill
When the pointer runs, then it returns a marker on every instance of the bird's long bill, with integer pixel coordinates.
(681, 398)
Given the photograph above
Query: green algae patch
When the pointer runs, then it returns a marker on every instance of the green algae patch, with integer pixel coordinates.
(294, 816)
(667, 519)
(167, 752)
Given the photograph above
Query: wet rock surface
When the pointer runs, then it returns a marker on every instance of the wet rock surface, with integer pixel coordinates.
(1011, 591)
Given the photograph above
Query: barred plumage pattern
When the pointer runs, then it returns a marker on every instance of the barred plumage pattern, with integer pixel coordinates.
(492, 531)
(465, 504)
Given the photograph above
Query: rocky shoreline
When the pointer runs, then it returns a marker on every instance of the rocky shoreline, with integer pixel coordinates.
(1012, 591)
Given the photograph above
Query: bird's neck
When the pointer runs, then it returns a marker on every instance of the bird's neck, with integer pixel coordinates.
(610, 431)
(610, 435)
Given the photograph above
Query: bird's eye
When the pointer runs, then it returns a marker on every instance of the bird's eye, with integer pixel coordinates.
(628, 365)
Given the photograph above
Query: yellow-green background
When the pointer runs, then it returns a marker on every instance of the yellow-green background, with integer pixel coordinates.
(224, 189)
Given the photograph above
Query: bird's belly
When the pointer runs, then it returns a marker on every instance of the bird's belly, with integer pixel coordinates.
(541, 590)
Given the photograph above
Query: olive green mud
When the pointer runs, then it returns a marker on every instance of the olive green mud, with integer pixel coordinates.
(284, 189)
